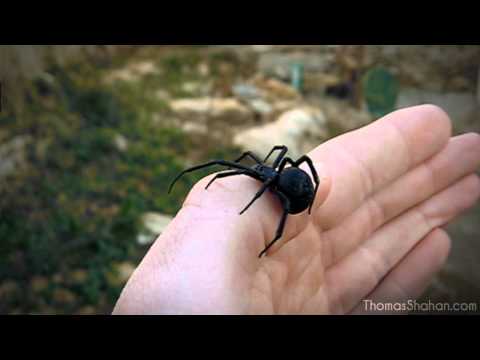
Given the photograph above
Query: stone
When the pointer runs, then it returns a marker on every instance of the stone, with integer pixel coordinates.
(229, 110)
(38, 283)
(194, 128)
(260, 106)
(282, 106)
(274, 89)
(279, 64)
(121, 142)
(12, 154)
(203, 69)
(133, 72)
(246, 91)
(294, 129)
(153, 225)
(191, 87)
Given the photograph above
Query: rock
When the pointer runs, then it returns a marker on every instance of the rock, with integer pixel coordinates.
(274, 89)
(120, 273)
(229, 110)
(12, 154)
(38, 283)
(263, 97)
(132, 72)
(462, 107)
(121, 142)
(260, 106)
(63, 296)
(282, 106)
(265, 88)
(153, 225)
(194, 128)
(295, 129)
(203, 69)
(279, 65)
(246, 91)
(192, 87)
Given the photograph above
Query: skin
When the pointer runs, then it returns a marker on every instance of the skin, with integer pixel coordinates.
(375, 231)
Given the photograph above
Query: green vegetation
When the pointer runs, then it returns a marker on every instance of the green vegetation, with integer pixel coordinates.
(97, 162)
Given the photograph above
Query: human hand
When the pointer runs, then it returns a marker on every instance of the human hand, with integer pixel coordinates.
(374, 232)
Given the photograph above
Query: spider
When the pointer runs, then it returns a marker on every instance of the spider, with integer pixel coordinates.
(292, 185)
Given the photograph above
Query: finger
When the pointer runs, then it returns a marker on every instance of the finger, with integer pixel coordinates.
(365, 160)
(358, 274)
(460, 158)
(409, 279)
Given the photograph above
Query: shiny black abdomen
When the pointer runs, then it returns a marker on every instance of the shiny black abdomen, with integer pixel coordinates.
(297, 186)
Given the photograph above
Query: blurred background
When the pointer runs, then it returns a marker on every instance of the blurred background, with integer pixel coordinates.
(91, 136)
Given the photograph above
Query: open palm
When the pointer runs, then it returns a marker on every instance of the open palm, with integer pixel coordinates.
(374, 232)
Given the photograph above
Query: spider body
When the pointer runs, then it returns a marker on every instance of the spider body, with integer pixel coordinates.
(292, 185)
(297, 187)
(264, 172)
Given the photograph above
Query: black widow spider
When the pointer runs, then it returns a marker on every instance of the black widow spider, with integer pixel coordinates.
(292, 185)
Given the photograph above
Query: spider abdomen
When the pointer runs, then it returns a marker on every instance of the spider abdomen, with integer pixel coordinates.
(297, 186)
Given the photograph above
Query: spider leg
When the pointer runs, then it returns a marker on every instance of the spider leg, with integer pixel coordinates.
(284, 162)
(251, 155)
(306, 159)
(260, 192)
(211, 163)
(226, 174)
(286, 208)
(283, 149)
(248, 154)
